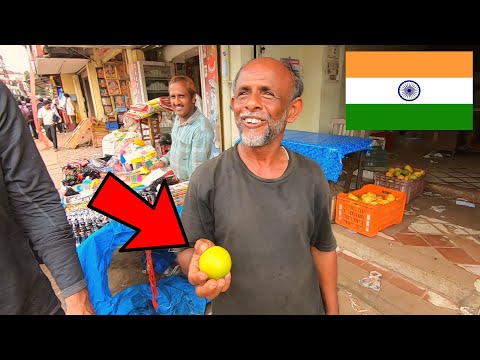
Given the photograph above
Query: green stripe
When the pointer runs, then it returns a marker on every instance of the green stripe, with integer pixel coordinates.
(409, 117)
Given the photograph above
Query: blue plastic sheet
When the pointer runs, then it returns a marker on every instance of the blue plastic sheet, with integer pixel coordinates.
(326, 149)
(176, 296)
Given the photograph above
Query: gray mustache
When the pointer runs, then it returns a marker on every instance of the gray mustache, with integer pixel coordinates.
(261, 116)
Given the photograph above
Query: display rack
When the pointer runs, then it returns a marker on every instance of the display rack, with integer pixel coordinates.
(150, 129)
(154, 78)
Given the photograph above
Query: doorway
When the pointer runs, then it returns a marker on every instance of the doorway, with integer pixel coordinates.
(85, 86)
(188, 63)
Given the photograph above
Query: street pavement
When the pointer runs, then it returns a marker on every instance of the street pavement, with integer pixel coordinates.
(424, 276)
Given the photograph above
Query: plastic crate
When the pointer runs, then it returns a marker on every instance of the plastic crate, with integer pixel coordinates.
(369, 219)
(111, 125)
(411, 188)
(375, 157)
(389, 138)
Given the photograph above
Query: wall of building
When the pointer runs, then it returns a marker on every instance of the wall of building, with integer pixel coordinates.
(95, 89)
(323, 99)
(68, 85)
(332, 94)
(238, 55)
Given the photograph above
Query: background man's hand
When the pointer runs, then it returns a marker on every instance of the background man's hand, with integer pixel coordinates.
(205, 288)
(157, 165)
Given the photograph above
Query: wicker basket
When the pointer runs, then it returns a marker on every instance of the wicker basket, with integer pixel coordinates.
(411, 188)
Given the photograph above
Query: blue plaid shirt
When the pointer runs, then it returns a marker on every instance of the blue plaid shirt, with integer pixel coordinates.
(191, 145)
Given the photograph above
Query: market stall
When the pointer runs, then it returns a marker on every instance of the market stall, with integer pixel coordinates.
(97, 236)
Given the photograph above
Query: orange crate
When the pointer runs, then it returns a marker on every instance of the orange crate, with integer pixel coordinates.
(411, 188)
(369, 219)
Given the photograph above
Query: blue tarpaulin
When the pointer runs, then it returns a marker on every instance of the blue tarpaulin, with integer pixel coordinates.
(327, 150)
(176, 296)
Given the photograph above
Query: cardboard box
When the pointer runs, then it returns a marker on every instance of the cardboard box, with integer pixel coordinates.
(333, 205)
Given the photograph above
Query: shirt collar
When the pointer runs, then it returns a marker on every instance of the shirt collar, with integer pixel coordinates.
(191, 119)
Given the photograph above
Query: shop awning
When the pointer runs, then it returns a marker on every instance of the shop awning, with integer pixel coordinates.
(50, 66)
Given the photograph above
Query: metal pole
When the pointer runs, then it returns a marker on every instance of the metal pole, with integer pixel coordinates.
(33, 99)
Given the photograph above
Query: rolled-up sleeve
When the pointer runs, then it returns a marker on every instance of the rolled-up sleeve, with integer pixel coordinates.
(34, 200)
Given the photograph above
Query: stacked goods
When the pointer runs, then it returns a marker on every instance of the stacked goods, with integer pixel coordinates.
(406, 179)
(138, 112)
(178, 192)
(389, 137)
(83, 220)
(376, 156)
(370, 209)
(138, 157)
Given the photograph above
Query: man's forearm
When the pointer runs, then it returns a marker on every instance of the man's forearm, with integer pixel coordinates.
(326, 265)
(166, 158)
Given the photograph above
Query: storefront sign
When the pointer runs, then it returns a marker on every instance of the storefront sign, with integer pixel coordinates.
(135, 83)
(212, 111)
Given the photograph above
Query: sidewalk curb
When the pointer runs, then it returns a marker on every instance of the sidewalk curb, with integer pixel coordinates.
(453, 191)
(443, 286)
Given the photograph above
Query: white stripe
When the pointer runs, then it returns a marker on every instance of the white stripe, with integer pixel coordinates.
(432, 91)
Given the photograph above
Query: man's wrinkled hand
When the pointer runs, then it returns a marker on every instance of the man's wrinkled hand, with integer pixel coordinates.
(204, 287)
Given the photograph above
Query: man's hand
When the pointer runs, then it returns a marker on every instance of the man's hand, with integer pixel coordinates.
(157, 165)
(205, 288)
(79, 304)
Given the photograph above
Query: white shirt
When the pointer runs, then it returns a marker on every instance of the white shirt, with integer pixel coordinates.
(69, 107)
(46, 116)
(61, 103)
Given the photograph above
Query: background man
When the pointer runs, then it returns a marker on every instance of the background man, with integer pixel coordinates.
(192, 133)
(46, 118)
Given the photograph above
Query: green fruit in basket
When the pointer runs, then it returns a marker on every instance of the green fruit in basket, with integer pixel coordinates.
(413, 177)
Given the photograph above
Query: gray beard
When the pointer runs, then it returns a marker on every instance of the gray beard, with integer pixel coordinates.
(270, 133)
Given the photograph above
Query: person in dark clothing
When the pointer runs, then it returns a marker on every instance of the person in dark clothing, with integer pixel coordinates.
(30, 119)
(34, 225)
(39, 103)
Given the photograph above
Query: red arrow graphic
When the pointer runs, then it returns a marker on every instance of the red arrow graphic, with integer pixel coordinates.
(157, 226)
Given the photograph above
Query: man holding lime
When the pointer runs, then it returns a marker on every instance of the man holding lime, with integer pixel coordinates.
(267, 206)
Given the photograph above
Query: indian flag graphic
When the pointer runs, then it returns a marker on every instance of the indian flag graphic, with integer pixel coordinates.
(409, 90)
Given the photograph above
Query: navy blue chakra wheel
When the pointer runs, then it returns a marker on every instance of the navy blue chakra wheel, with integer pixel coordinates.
(409, 90)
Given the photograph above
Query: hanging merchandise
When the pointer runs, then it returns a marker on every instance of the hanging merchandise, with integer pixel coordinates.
(60, 95)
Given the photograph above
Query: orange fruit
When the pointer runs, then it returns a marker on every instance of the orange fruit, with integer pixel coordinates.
(215, 262)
